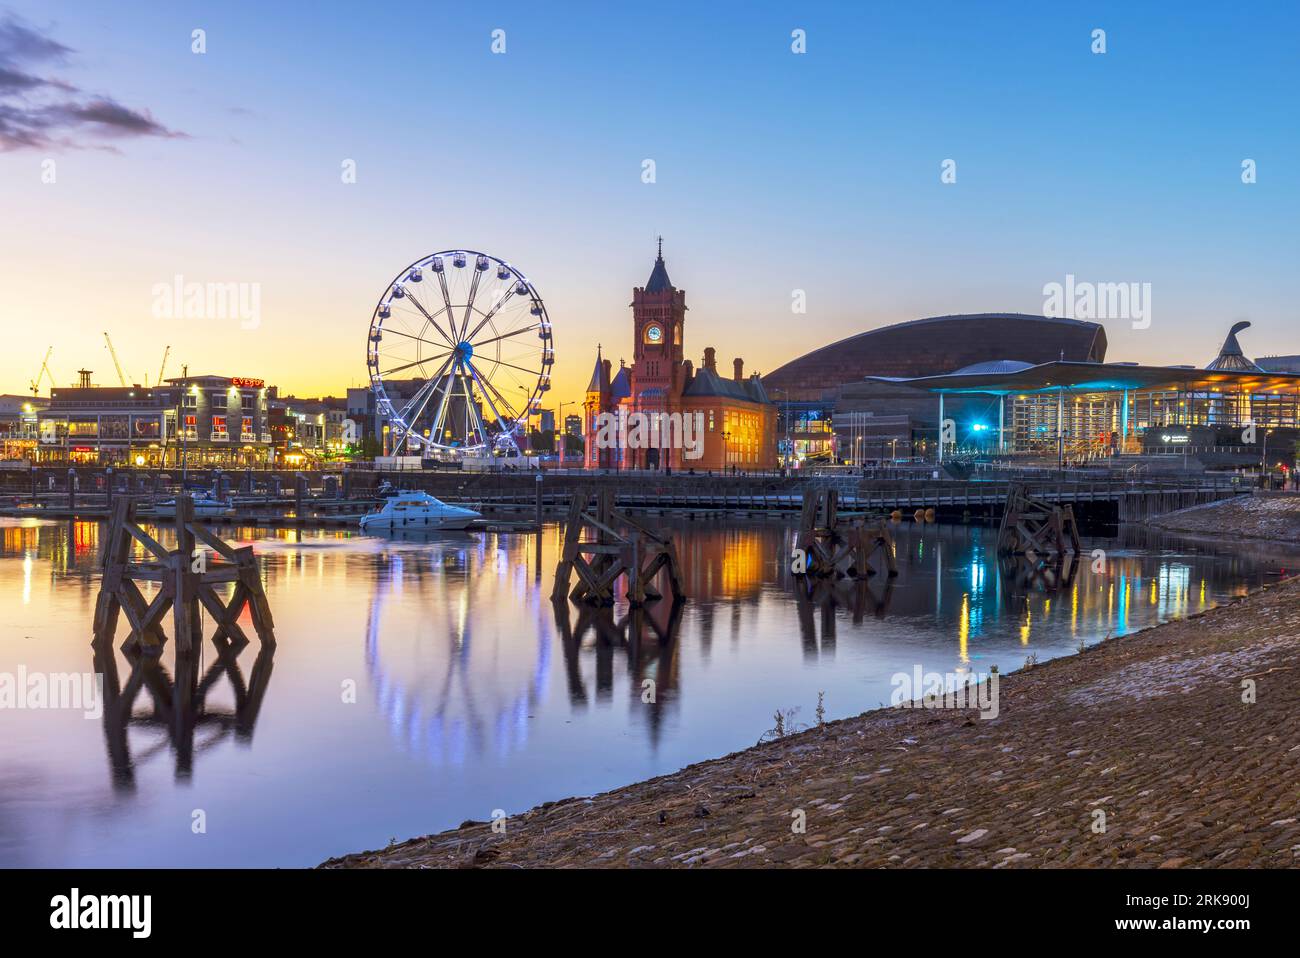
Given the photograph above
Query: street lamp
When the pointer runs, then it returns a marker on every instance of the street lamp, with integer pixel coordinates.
(528, 418)
(561, 429)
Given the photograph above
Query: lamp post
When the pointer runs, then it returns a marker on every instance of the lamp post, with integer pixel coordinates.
(789, 446)
(528, 419)
(561, 429)
(725, 436)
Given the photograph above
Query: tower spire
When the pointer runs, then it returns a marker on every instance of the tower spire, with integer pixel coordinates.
(659, 280)
(596, 378)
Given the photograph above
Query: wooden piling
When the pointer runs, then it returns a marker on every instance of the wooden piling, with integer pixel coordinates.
(837, 548)
(186, 584)
(1036, 527)
(599, 561)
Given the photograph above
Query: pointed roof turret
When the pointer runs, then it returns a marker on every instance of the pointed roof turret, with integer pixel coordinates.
(594, 385)
(659, 280)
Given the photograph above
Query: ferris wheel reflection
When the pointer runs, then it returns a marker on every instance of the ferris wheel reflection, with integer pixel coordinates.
(457, 647)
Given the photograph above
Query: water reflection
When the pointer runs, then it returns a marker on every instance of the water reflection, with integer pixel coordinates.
(647, 637)
(1022, 576)
(473, 691)
(179, 707)
(422, 640)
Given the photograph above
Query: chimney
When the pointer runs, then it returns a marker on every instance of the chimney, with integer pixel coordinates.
(710, 360)
(604, 376)
(739, 365)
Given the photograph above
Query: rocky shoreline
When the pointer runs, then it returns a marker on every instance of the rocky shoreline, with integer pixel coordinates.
(1140, 752)
(1270, 517)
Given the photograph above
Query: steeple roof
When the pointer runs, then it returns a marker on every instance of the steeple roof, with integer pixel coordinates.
(594, 385)
(659, 280)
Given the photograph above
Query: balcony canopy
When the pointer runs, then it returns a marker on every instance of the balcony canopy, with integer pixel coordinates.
(1098, 377)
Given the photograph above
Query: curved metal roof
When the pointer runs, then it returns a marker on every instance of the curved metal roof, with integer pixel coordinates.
(993, 366)
(1100, 377)
(935, 345)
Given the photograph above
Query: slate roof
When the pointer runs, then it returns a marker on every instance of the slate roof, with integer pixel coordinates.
(707, 382)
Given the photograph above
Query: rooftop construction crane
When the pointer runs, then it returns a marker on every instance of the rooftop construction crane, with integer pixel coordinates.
(121, 376)
(163, 367)
(44, 371)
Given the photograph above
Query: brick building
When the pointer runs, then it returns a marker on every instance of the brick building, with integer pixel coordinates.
(660, 412)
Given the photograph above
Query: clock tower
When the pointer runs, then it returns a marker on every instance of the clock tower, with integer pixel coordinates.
(661, 413)
(658, 321)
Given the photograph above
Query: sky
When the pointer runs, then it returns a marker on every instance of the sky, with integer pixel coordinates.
(128, 159)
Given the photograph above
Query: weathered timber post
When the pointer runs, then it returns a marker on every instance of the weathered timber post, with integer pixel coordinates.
(186, 584)
(1036, 526)
(834, 548)
(185, 609)
(639, 554)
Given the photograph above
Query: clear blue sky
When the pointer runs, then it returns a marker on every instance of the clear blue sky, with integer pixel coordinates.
(775, 171)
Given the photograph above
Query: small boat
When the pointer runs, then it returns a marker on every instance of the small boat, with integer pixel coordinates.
(417, 510)
(205, 504)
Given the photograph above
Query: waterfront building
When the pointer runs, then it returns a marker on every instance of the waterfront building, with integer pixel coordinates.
(1228, 414)
(815, 392)
(736, 419)
(1279, 364)
(207, 420)
(305, 430)
(361, 409)
(19, 426)
(573, 425)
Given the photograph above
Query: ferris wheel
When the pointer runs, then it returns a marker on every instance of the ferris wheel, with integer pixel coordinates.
(460, 352)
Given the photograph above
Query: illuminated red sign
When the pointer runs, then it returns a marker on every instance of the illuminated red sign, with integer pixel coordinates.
(242, 383)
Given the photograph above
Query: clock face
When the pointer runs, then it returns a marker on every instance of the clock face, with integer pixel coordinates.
(654, 334)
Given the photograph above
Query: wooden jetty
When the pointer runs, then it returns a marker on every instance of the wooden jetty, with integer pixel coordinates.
(829, 545)
(610, 553)
(1035, 527)
(186, 582)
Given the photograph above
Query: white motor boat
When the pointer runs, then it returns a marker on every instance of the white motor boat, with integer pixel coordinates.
(205, 504)
(417, 510)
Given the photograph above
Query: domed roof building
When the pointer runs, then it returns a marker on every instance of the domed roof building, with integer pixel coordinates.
(939, 344)
(829, 402)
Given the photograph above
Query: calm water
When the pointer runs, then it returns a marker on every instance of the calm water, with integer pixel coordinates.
(471, 695)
